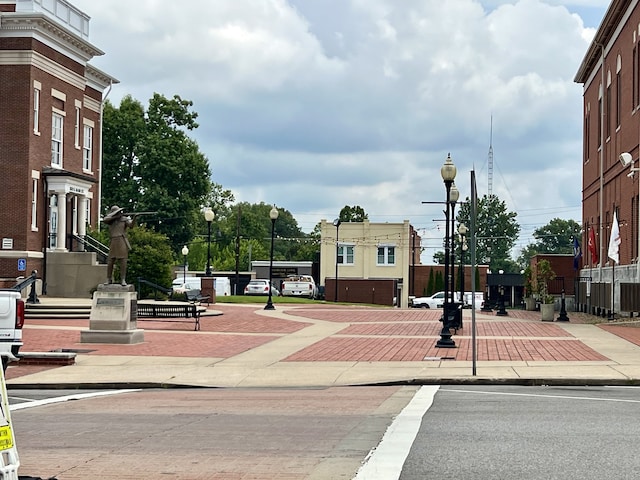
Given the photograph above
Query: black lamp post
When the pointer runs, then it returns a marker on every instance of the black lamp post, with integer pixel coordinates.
(185, 252)
(453, 198)
(337, 223)
(501, 310)
(208, 216)
(448, 172)
(273, 215)
(462, 231)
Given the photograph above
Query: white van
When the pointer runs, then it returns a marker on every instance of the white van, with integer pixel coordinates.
(221, 284)
(181, 284)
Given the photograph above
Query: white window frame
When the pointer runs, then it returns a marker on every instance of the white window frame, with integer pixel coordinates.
(343, 257)
(87, 148)
(76, 131)
(37, 88)
(386, 249)
(57, 136)
(34, 204)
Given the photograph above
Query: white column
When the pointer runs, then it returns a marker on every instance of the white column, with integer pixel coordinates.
(82, 219)
(62, 222)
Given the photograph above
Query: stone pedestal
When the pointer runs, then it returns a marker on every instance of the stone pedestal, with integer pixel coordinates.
(114, 316)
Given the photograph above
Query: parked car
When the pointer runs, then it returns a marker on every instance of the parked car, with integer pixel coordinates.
(434, 301)
(260, 287)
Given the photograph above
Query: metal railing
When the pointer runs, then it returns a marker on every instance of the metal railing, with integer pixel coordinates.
(30, 281)
(90, 244)
(152, 287)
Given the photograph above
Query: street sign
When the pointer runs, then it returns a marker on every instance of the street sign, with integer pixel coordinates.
(22, 264)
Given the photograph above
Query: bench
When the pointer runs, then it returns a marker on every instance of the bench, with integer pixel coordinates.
(195, 296)
(170, 313)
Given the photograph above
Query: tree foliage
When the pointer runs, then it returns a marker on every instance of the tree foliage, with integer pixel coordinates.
(352, 214)
(556, 237)
(150, 164)
(496, 232)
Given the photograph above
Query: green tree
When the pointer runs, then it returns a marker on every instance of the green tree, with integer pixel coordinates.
(352, 214)
(151, 164)
(496, 232)
(556, 237)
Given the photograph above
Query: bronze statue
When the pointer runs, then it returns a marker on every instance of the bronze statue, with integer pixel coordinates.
(119, 246)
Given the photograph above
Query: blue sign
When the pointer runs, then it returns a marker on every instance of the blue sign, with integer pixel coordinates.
(22, 264)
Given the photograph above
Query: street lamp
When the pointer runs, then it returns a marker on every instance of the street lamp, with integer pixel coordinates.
(337, 223)
(448, 173)
(627, 159)
(273, 215)
(501, 311)
(185, 252)
(462, 231)
(209, 216)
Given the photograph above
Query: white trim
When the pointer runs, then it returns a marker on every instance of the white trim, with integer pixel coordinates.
(58, 94)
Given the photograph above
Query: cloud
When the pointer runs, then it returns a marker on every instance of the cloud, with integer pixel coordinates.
(316, 105)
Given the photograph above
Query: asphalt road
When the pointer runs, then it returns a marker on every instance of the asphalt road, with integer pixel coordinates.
(411, 433)
(528, 433)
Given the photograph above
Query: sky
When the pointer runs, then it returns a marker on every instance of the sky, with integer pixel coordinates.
(312, 105)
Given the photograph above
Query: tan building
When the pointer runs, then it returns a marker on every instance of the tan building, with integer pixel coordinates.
(50, 135)
(369, 251)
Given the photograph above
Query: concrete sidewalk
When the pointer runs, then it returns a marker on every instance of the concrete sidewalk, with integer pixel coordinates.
(333, 345)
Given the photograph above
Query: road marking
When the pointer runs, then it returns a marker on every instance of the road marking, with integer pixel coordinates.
(65, 398)
(567, 397)
(386, 460)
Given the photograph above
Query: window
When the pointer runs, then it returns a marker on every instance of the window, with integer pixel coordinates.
(386, 255)
(36, 109)
(618, 91)
(87, 215)
(345, 254)
(76, 128)
(87, 147)
(607, 113)
(34, 204)
(56, 139)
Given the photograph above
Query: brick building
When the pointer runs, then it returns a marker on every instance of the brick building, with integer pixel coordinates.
(610, 74)
(50, 133)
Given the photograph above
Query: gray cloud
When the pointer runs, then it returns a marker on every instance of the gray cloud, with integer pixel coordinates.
(316, 105)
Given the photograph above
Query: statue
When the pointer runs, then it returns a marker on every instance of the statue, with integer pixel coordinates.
(119, 245)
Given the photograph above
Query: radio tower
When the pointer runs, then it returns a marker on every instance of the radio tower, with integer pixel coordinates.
(490, 162)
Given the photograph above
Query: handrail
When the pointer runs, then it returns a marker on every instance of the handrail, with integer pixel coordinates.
(154, 286)
(30, 281)
(93, 246)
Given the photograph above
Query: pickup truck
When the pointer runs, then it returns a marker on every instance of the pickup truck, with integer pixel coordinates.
(11, 322)
(299, 286)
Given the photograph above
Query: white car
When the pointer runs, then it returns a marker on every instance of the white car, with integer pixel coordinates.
(260, 287)
(434, 301)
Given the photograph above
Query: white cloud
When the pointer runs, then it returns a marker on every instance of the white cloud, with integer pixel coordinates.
(316, 105)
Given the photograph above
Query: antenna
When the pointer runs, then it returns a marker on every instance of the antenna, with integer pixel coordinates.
(490, 162)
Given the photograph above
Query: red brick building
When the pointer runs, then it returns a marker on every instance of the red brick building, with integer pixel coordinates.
(50, 128)
(610, 73)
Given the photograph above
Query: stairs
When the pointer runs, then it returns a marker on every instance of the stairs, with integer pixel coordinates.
(68, 311)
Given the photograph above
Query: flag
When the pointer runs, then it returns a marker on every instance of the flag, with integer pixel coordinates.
(614, 240)
(577, 253)
(592, 246)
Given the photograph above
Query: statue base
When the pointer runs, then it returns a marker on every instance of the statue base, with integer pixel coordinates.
(114, 316)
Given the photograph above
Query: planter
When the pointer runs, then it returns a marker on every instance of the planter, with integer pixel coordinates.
(530, 303)
(547, 310)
